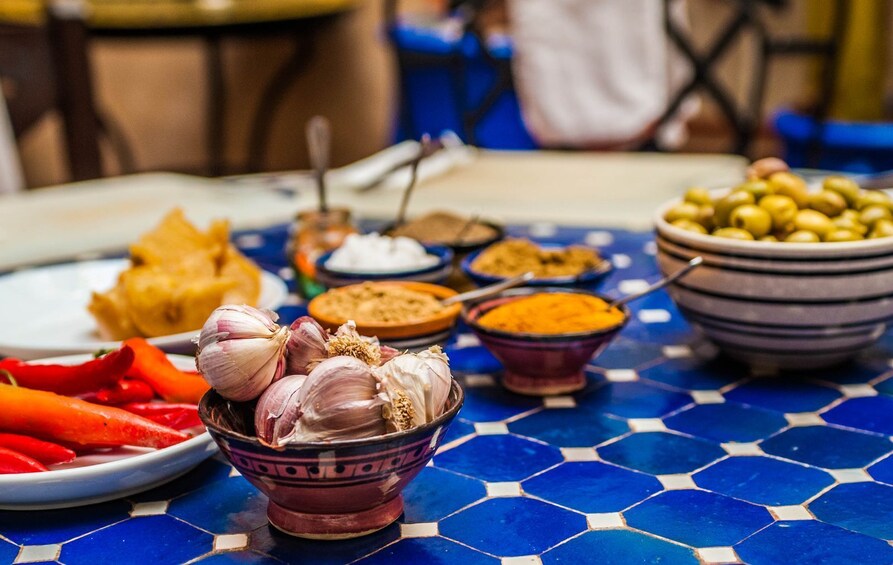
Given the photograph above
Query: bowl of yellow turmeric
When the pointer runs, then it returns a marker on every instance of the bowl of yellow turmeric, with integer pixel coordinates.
(545, 336)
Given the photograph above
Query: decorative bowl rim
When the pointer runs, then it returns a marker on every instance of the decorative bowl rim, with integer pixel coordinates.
(605, 268)
(447, 416)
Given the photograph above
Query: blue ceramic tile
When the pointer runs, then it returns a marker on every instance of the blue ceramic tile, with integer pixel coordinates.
(627, 354)
(8, 552)
(209, 471)
(698, 518)
(237, 558)
(661, 453)
(866, 508)
(499, 458)
(473, 360)
(634, 400)
(809, 541)
(270, 541)
(693, 374)
(434, 551)
(232, 506)
(883, 470)
(619, 547)
(763, 480)
(870, 413)
(43, 527)
(859, 371)
(885, 386)
(151, 539)
(435, 494)
(592, 487)
(727, 422)
(570, 427)
(783, 394)
(828, 447)
(494, 403)
(509, 527)
(459, 428)
(673, 332)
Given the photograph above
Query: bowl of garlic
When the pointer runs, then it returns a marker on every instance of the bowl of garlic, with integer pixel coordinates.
(331, 427)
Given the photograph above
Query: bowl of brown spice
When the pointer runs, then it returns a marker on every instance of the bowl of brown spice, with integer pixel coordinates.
(574, 266)
(403, 314)
(459, 233)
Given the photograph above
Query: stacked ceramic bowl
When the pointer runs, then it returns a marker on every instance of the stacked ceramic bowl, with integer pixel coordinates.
(781, 305)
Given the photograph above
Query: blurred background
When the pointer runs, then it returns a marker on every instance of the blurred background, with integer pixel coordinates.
(382, 71)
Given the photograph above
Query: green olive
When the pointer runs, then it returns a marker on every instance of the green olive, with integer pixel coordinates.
(871, 214)
(843, 235)
(699, 196)
(789, 184)
(847, 223)
(682, 211)
(705, 216)
(751, 218)
(872, 198)
(803, 236)
(844, 187)
(733, 233)
(851, 214)
(769, 238)
(781, 208)
(725, 206)
(813, 221)
(882, 228)
(759, 188)
(689, 225)
(827, 202)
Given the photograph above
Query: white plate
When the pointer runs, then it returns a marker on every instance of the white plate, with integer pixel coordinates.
(113, 474)
(43, 311)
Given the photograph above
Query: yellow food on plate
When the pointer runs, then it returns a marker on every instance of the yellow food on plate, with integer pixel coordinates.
(178, 276)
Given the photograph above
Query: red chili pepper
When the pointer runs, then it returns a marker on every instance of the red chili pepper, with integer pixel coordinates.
(176, 416)
(43, 451)
(71, 379)
(151, 365)
(122, 392)
(15, 462)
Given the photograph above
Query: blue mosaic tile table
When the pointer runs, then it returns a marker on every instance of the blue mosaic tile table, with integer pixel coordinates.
(670, 455)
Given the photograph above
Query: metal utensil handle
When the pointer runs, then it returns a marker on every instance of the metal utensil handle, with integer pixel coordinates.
(319, 139)
(424, 145)
(659, 284)
(488, 290)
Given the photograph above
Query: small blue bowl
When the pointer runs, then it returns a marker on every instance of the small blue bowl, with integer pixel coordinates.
(587, 280)
(435, 274)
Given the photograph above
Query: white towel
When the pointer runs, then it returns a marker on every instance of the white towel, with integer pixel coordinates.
(597, 73)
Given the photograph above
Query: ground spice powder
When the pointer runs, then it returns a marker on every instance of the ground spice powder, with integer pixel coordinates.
(517, 256)
(552, 313)
(377, 303)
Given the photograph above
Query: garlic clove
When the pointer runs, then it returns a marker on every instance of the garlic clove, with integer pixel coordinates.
(278, 410)
(234, 321)
(347, 341)
(306, 346)
(417, 387)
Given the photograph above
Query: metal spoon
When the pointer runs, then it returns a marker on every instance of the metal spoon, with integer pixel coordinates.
(424, 148)
(659, 284)
(319, 142)
(488, 290)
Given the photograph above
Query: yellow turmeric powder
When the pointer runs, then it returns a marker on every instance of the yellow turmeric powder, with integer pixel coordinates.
(552, 313)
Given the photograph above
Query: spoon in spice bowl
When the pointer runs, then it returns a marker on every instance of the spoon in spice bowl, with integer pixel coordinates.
(659, 284)
(319, 140)
(487, 291)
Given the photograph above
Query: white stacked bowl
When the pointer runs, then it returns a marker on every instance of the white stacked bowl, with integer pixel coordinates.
(781, 305)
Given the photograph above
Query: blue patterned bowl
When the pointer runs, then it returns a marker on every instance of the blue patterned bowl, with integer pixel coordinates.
(435, 274)
(589, 280)
(326, 490)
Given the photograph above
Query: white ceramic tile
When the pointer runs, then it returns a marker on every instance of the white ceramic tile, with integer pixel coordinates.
(503, 490)
(850, 475)
(621, 375)
(676, 482)
(559, 402)
(543, 229)
(605, 521)
(707, 397)
(717, 555)
(650, 248)
(677, 351)
(599, 238)
(804, 419)
(234, 472)
(632, 285)
(286, 273)
(521, 560)
(491, 428)
(479, 380)
(621, 261)
(420, 530)
(35, 553)
(293, 300)
(250, 241)
(149, 508)
(647, 425)
(857, 391)
(230, 542)
(655, 316)
(790, 512)
(467, 340)
(742, 449)
(579, 454)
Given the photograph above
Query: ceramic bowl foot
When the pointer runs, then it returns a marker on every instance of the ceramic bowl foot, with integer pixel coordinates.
(334, 526)
(543, 386)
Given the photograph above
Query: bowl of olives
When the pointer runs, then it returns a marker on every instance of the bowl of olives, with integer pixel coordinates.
(794, 276)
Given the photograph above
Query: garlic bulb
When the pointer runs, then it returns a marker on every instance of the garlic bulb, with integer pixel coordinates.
(347, 341)
(306, 346)
(241, 350)
(417, 387)
(339, 400)
(278, 410)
